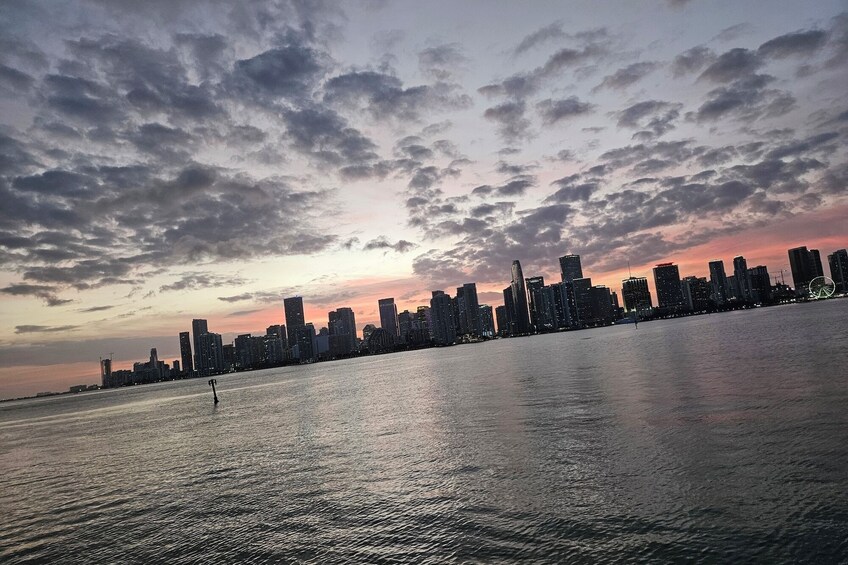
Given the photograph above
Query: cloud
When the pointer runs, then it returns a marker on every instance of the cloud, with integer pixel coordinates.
(692, 60)
(95, 309)
(198, 280)
(441, 61)
(797, 44)
(626, 76)
(513, 126)
(746, 99)
(383, 243)
(553, 111)
(44, 292)
(542, 35)
(28, 329)
(655, 116)
(731, 65)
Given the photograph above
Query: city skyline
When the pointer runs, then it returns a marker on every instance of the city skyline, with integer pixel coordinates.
(572, 304)
(163, 163)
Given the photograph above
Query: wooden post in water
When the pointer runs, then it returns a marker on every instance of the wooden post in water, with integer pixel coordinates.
(212, 383)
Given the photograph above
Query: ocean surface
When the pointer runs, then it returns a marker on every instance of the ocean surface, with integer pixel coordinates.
(718, 438)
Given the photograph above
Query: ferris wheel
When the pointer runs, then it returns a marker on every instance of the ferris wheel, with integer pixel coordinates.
(822, 287)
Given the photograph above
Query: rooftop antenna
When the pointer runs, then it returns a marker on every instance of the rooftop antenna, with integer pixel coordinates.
(629, 274)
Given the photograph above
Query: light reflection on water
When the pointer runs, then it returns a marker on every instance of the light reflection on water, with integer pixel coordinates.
(710, 438)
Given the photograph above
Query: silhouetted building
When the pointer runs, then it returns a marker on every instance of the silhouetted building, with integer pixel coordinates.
(106, 373)
(760, 284)
(637, 296)
(380, 341)
(696, 293)
(198, 328)
(388, 316)
(276, 344)
(534, 285)
(503, 323)
(342, 326)
(521, 313)
(185, 353)
(443, 326)
(545, 308)
(667, 283)
(487, 321)
(209, 354)
(742, 279)
(570, 269)
(367, 331)
(305, 345)
(509, 305)
(295, 320)
(468, 309)
(601, 305)
(838, 262)
(563, 304)
(718, 282)
(406, 323)
(583, 300)
(805, 265)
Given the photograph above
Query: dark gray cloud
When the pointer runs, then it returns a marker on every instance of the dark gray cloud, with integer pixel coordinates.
(95, 309)
(553, 111)
(692, 60)
(29, 329)
(441, 61)
(197, 280)
(747, 99)
(513, 126)
(384, 96)
(45, 292)
(731, 65)
(383, 243)
(626, 76)
(799, 43)
(542, 35)
(655, 116)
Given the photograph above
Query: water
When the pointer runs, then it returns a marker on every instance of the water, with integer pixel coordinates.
(715, 438)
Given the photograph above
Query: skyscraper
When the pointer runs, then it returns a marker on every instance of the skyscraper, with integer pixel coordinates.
(209, 356)
(637, 296)
(503, 325)
(442, 324)
(509, 313)
(742, 278)
(570, 269)
(534, 287)
(582, 289)
(185, 353)
(199, 328)
(804, 268)
(521, 319)
(469, 310)
(293, 307)
(487, 321)
(342, 326)
(818, 271)
(838, 262)
(563, 304)
(696, 293)
(718, 282)
(388, 316)
(667, 283)
(760, 284)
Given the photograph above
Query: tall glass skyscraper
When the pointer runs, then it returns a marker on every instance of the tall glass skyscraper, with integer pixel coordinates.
(388, 316)
(519, 300)
(570, 269)
(667, 283)
(295, 321)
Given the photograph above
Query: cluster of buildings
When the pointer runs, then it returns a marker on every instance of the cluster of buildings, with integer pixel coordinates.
(530, 307)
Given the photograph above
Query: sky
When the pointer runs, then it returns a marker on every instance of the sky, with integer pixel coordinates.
(168, 160)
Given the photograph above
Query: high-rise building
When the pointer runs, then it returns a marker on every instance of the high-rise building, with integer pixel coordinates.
(487, 321)
(443, 326)
(468, 310)
(760, 284)
(562, 304)
(199, 328)
(185, 353)
(637, 296)
(509, 312)
(342, 329)
(106, 373)
(406, 323)
(742, 279)
(388, 316)
(276, 343)
(209, 356)
(838, 262)
(521, 314)
(503, 324)
(818, 271)
(534, 285)
(667, 284)
(718, 282)
(805, 265)
(295, 320)
(583, 300)
(545, 308)
(696, 293)
(601, 305)
(570, 269)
